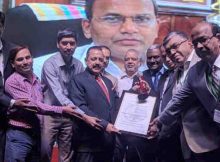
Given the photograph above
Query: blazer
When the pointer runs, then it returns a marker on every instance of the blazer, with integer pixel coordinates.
(88, 96)
(196, 104)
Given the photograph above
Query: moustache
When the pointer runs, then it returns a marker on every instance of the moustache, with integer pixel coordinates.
(96, 66)
(69, 51)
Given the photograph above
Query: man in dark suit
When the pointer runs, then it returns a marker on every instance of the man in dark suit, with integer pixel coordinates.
(5, 101)
(198, 99)
(156, 70)
(93, 93)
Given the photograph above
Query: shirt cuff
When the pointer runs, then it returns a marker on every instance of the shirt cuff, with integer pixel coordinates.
(58, 109)
(12, 102)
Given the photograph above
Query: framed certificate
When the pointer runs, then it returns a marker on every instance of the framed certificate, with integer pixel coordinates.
(134, 116)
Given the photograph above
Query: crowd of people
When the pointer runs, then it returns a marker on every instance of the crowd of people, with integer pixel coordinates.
(75, 101)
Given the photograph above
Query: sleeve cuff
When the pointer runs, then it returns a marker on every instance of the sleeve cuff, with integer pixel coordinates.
(58, 109)
(12, 102)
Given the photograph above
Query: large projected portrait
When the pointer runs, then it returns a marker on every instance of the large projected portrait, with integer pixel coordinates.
(121, 26)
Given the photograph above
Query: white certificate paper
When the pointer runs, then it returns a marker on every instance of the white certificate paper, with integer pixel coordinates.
(134, 116)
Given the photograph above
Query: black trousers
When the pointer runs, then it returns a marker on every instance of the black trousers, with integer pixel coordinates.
(212, 156)
(137, 149)
(92, 157)
(2, 144)
(169, 149)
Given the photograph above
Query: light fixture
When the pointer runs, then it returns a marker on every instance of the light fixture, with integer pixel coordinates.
(215, 17)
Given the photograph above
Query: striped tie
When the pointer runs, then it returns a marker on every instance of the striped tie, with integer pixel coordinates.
(216, 82)
(213, 81)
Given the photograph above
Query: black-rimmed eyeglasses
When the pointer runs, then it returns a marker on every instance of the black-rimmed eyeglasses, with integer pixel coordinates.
(174, 47)
(202, 40)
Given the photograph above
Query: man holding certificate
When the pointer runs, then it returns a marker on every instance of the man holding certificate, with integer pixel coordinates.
(93, 93)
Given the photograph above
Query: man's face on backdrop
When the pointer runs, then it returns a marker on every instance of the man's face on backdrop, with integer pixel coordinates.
(122, 25)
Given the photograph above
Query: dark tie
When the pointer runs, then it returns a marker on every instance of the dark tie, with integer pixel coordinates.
(180, 71)
(103, 86)
(213, 81)
(156, 80)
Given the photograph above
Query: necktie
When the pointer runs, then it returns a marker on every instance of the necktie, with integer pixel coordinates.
(156, 80)
(179, 74)
(214, 82)
(103, 87)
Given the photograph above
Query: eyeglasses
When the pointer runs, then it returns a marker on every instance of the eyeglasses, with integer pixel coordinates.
(115, 19)
(65, 43)
(202, 40)
(174, 47)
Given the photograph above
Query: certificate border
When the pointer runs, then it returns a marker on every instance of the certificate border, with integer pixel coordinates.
(119, 106)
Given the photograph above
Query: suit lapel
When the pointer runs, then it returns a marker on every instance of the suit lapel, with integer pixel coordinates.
(171, 81)
(147, 77)
(202, 90)
(94, 83)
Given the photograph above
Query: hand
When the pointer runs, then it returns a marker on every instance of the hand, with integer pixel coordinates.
(144, 87)
(141, 87)
(22, 102)
(111, 129)
(92, 121)
(136, 87)
(154, 128)
(70, 111)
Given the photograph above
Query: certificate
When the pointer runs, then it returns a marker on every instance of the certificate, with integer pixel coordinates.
(134, 116)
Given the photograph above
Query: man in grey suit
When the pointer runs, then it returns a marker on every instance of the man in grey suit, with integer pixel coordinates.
(178, 47)
(198, 99)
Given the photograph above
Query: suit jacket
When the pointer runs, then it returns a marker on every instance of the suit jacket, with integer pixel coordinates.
(88, 96)
(4, 99)
(196, 104)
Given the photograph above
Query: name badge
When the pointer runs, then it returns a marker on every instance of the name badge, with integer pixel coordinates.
(217, 116)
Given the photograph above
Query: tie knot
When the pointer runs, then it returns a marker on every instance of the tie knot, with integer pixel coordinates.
(98, 77)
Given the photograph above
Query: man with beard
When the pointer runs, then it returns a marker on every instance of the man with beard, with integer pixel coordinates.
(198, 99)
(56, 74)
(93, 93)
